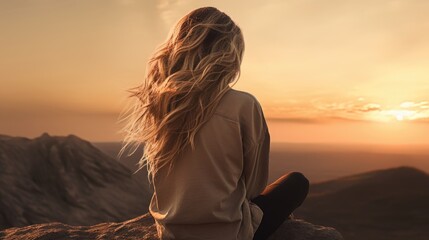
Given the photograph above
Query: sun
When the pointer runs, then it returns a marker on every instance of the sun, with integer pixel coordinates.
(400, 115)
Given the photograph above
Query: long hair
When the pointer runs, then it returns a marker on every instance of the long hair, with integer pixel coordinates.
(184, 82)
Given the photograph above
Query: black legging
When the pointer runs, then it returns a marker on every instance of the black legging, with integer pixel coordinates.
(279, 200)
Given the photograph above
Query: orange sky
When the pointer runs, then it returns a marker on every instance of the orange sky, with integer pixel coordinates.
(324, 71)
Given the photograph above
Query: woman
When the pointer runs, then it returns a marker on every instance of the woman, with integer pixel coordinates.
(206, 145)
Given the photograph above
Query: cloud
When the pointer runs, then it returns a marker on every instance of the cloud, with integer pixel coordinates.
(420, 105)
(322, 111)
(370, 107)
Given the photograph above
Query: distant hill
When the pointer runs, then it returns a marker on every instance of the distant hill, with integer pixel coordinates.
(385, 204)
(64, 179)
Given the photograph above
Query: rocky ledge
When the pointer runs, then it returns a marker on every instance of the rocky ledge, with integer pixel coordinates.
(143, 228)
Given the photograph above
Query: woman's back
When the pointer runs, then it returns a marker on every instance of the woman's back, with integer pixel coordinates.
(206, 145)
(207, 193)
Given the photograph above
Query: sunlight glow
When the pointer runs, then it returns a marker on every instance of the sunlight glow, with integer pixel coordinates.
(406, 111)
(400, 115)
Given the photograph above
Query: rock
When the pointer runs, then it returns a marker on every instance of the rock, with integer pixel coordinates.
(298, 229)
(143, 228)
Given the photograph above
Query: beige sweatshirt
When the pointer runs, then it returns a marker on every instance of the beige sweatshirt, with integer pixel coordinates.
(207, 195)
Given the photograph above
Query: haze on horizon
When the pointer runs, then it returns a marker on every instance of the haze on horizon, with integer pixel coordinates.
(324, 71)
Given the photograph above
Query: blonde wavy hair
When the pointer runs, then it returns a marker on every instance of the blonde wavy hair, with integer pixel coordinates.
(184, 82)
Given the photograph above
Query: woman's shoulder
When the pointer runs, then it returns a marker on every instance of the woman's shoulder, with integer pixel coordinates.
(241, 97)
(236, 103)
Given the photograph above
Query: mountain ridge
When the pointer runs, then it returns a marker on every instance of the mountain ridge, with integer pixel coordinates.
(64, 178)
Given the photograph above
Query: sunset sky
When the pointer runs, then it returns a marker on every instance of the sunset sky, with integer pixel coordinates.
(324, 71)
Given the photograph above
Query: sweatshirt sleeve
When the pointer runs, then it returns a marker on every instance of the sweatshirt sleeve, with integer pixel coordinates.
(256, 148)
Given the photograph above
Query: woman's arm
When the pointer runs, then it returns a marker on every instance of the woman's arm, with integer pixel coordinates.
(256, 147)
